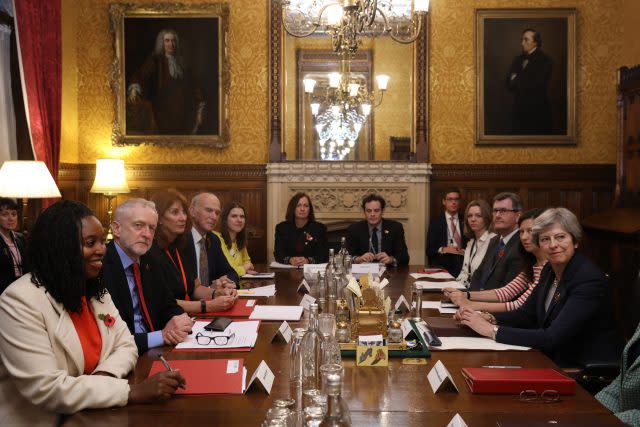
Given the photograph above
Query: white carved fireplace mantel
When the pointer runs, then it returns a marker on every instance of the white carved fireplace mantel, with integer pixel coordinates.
(337, 188)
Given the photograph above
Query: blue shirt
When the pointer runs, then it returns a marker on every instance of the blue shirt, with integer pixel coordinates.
(154, 339)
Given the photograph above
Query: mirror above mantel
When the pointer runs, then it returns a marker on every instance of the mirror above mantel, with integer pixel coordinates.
(396, 129)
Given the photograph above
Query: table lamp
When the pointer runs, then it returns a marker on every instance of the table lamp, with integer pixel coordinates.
(110, 181)
(26, 179)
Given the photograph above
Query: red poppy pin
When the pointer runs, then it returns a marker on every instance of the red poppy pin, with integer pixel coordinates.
(108, 319)
(501, 253)
(308, 237)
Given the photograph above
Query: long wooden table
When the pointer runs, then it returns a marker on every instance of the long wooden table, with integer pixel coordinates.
(399, 395)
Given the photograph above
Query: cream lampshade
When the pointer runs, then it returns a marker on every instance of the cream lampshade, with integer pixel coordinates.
(27, 179)
(110, 180)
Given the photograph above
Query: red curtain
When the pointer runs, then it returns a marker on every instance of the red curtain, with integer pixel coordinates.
(40, 36)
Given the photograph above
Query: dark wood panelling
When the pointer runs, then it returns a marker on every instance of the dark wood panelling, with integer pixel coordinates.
(585, 189)
(242, 183)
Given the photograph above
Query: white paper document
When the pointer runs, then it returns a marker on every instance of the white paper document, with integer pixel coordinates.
(246, 334)
(474, 343)
(313, 269)
(368, 267)
(439, 286)
(277, 312)
(285, 266)
(438, 275)
(259, 276)
(261, 291)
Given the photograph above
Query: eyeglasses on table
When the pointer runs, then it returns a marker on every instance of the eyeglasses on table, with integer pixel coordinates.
(532, 396)
(203, 339)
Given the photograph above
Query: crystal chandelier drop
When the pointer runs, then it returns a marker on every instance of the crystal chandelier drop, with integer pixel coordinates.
(342, 110)
(347, 20)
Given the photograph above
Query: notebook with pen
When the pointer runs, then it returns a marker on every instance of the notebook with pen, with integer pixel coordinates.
(516, 380)
(209, 376)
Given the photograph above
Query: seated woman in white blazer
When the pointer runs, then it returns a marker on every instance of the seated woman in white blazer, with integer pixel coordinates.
(63, 345)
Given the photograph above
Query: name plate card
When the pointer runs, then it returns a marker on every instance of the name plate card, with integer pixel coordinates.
(402, 304)
(457, 421)
(283, 334)
(384, 283)
(306, 301)
(440, 378)
(262, 378)
(407, 329)
(304, 286)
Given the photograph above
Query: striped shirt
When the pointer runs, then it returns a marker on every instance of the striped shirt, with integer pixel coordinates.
(516, 292)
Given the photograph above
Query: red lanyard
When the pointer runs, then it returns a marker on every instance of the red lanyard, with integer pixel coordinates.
(184, 277)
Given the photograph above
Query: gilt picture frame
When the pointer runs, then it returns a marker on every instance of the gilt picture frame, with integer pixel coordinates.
(525, 76)
(170, 74)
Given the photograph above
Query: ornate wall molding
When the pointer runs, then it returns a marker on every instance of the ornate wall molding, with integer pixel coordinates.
(340, 199)
(353, 172)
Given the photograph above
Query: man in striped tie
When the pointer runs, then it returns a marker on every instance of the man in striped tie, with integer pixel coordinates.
(446, 240)
(136, 286)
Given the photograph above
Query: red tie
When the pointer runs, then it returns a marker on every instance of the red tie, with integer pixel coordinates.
(145, 312)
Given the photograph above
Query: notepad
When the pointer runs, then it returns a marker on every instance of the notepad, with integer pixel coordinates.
(439, 286)
(260, 291)
(259, 276)
(241, 308)
(435, 275)
(208, 376)
(277, 312)
(245, 336)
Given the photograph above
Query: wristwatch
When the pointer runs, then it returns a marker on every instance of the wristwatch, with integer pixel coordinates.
(495, 332)
(203, 306)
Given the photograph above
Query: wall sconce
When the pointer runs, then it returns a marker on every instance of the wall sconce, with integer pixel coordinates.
(110, 181)
(27, 179)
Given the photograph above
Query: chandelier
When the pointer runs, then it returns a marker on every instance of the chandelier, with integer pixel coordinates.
(342, 110)
(347, 20)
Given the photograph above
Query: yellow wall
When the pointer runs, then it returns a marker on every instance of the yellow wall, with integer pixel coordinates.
(606, 39)
(452, 84)
(87, 111)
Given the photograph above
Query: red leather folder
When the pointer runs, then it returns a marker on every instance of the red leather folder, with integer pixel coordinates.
(207, 376)
(515, 380)
(241, 308)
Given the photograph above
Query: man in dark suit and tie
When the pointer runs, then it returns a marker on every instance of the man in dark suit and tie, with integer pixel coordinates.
(203, 251)
(136, 286)
(446, 240)
(377, 239)
(528, 79)
(502, 261)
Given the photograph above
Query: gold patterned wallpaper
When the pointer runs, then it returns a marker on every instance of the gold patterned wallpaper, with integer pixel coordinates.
(452, 84)
(87, 104)
(88, 101)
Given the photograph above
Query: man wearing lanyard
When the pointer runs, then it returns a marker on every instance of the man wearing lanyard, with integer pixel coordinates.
(377, 239)
(136, 287)
(446, 240)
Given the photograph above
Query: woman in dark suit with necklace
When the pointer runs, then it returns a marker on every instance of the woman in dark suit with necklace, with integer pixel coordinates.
(12, 245)
(300, 239)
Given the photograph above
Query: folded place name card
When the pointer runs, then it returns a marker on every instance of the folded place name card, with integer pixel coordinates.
(283, 334)
(304, 286)
(457, 421)
(262, 378)
(306, 301)
(440, 378)
(402, 304)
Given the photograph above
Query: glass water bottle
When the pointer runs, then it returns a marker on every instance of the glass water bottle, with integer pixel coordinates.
(311, 352)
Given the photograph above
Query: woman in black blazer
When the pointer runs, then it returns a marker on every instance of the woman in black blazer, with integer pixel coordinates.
(300, 239)
(12, 245)
(569, 315)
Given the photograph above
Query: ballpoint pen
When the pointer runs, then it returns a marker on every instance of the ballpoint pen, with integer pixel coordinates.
(502, 366)
(168, 368)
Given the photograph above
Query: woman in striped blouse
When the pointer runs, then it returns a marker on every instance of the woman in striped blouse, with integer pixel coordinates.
(515, 293)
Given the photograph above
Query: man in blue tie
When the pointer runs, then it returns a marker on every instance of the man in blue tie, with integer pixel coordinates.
(503, 261)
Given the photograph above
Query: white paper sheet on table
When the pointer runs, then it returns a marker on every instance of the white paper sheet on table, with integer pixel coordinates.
(436, 305)
(246, 334)
(439, 286)
(259, 276)
(260, 291)
(275, 264)
(474, 343)
(438, 275)
(277, 312)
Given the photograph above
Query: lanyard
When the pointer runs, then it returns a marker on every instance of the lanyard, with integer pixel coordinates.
(184, 277)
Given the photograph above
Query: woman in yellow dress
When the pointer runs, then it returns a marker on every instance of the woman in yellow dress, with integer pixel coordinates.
(233, 236)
